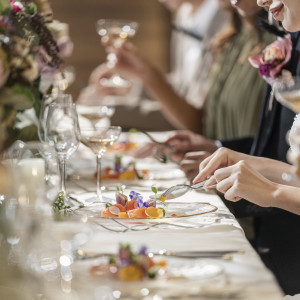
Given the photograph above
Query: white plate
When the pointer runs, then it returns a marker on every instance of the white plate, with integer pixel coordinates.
(183, 276)
(173, 210)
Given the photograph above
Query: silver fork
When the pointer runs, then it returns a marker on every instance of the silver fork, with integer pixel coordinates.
(159, 154)
(156, 141)
(181, 189)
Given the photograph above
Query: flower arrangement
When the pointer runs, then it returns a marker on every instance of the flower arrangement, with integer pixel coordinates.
(29, 51)
(274, 57)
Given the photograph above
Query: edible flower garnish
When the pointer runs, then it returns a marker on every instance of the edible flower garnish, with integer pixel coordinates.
(134, 206)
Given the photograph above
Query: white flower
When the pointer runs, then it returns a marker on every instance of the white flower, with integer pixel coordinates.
(32, 72)
(21, 46)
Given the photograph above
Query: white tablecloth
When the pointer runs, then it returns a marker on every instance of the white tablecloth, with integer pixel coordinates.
(219, 230)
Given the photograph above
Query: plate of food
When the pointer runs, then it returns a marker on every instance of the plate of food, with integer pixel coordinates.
(136, 206)
(126, 170)
(131, 272)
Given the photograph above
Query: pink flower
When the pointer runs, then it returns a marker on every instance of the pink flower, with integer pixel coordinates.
(16, 7)
(273, 58)
(65, 46)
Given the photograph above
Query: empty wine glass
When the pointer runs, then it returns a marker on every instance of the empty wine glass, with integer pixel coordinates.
(116, 32)
(47, 100)
(287, 92)
(98, 139)
(62, 130)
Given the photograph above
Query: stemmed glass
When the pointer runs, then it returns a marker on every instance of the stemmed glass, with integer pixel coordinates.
(62, 130)
(96, 115)
(98, 139)
(115, 32)
(287, 92)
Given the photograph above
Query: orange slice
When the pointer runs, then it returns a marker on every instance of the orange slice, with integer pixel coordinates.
(130, 273)
(154, 212)
(127, 175)
(123, 215)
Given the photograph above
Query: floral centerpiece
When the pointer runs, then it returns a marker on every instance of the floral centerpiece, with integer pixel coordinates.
(29, 52)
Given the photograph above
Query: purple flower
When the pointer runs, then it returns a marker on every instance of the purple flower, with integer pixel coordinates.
(135, 196)
(143, 250)
(124, 257)
(264, 70)
(140, 203)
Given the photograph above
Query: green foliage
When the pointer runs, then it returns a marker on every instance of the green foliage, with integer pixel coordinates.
(4, 6)
(59, 207)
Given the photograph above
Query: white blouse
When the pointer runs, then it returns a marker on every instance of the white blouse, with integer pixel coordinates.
(294, 136)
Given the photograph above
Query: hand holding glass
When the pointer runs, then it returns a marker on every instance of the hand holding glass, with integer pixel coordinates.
(116, 32)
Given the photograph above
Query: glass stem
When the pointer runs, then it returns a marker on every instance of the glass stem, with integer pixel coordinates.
(99, 194)
(62, 169)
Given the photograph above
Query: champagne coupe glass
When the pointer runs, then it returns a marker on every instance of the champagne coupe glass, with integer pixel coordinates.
(96, 115)
(62, 130)
(287, 92)
(116, 32)
(98, 139)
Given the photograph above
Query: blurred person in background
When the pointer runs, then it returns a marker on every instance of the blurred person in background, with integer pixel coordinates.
(194, 22)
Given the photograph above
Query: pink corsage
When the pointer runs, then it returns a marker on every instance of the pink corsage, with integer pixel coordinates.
(273, 58)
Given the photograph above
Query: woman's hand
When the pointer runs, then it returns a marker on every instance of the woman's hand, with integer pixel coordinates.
(183, 141)
(190, 163)
(241, 181)
(222, 158)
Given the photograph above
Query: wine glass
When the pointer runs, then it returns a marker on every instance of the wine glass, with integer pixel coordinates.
(98, 139)
(116, 32)
(96, 115)
(47, 100)
(287, 92)
(62, 131)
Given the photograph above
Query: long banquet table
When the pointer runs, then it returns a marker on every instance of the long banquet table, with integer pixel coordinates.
(243, 276)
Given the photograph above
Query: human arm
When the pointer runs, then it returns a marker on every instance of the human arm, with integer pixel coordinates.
(241, 181)
(224, 157)
(130, 62)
